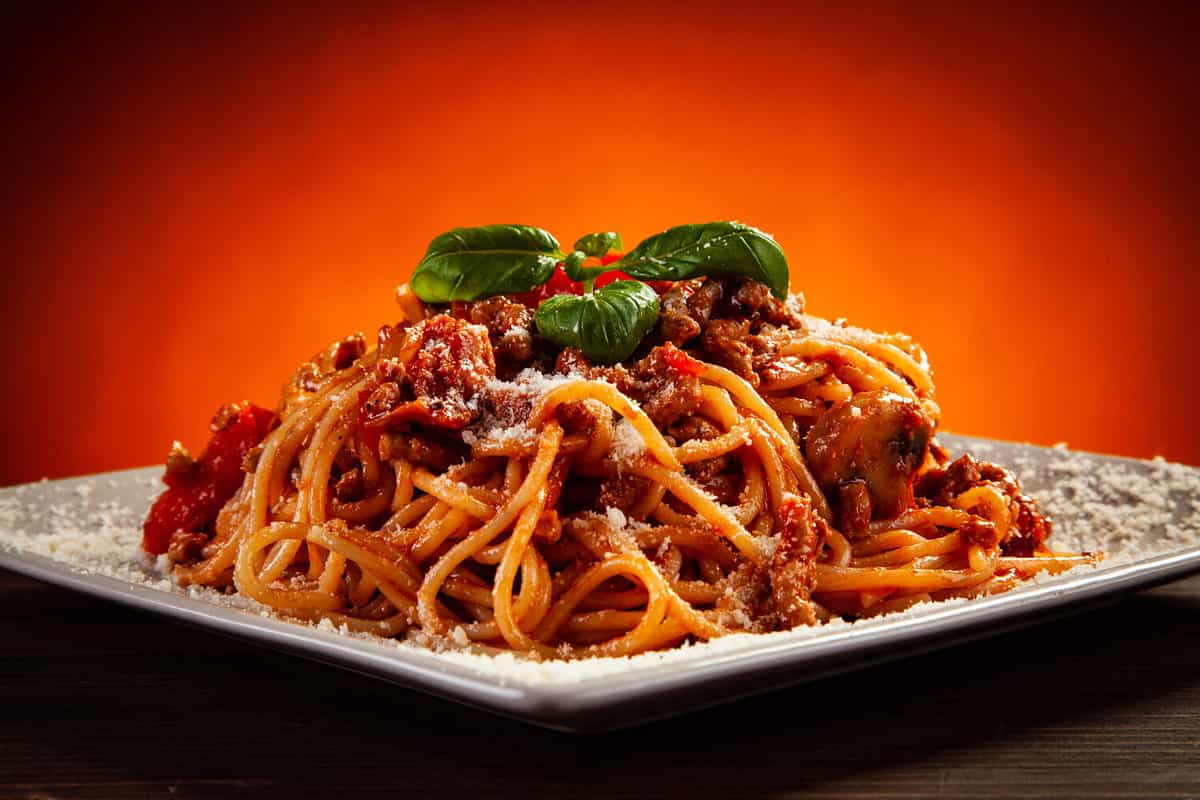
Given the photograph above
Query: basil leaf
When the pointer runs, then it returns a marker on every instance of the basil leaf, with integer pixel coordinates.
(576, 271)
(713, 248)
(597, 245)
(607, 324)
(470, 263)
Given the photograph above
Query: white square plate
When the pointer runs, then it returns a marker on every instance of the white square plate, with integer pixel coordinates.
(82, 534)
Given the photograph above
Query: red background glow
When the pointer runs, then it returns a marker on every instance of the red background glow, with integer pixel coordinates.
(196, 203)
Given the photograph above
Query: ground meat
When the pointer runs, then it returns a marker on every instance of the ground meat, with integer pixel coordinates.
(387, 396)
(344, 353)
(452, 362)
(573, 362)
(704, 300)
(424, 448)
(662, 391)
(1030, 527)
(748, 603)
(979, 532)
(509, 325)
(186, 547)
(577, 417)
(390, 340)
(675, 322)
(941, 486)
(733, 319)
(720, 476)
(314, 373)
(793, 566)
(348, 483)
(753, 295)
(686, 308)
(692, 427)
(757, 300)
(725, 340)
(621, 491)
(349, 487)
(508, 406)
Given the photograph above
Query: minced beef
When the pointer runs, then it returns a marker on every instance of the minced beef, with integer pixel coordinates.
(661, 390)
(509, 325)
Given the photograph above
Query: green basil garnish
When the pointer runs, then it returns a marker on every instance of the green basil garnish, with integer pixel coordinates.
(472, 263)
(607, 324)
(576, 271)
(594, 245)
(713, 248)
(597, 245)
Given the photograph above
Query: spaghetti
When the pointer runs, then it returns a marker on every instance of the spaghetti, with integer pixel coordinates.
(750, 468)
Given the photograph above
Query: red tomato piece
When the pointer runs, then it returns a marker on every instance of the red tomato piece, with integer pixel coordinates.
(561, 283)
(193, 498)
(605, 278)
(681, 361)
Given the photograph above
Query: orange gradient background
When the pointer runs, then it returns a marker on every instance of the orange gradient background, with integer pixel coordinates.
(196, 203)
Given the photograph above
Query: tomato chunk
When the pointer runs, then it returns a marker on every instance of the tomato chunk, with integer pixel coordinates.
(194, 496)
(561, 283)
(606, 278)
(681, 361)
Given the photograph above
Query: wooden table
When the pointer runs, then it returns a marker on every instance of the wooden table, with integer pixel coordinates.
(99, 701)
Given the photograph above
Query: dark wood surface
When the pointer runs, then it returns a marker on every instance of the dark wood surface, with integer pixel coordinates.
(100, 701)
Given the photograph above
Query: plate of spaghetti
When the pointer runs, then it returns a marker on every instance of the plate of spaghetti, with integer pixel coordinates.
(557, 459)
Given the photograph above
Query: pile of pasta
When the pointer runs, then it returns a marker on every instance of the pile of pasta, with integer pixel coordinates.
(486, 551)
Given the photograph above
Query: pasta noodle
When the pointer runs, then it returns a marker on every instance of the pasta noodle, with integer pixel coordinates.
(429, 487)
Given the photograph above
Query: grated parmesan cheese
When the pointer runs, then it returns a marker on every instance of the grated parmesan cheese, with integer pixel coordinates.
(628, 444)
(529, 385)
(616, 518)
(663, 548)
